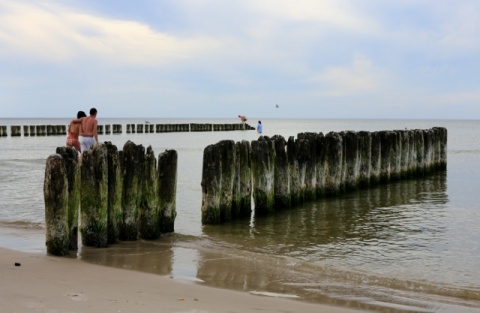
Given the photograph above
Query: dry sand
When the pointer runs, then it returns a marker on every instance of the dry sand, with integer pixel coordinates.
(50, 284)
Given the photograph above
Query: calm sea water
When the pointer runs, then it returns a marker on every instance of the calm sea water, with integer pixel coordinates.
(410, 246)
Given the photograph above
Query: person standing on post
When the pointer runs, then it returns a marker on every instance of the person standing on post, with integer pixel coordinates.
(88, 132)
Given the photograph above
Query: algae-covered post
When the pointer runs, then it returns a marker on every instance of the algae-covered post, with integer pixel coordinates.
(226, 148)
(211, 181)
(282, 176)
(217, 182)
(308, 157)
(55, 191)
(167, 190)
(133, 170)
(93, 197)
(263, 173)
(147, 202)
(242, 191)
(352, 168)
(365, 158)
(293, 171)
(72, 167)
(333, 163)
(320, 148)
(115, 183)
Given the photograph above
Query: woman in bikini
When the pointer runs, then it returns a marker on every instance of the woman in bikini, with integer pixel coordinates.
(74, 130)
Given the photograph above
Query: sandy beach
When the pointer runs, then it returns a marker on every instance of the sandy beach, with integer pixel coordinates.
(33, 282)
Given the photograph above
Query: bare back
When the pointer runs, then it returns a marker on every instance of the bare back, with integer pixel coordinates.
(89, 127)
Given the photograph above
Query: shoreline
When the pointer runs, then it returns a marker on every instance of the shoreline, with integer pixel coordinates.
(43, 283)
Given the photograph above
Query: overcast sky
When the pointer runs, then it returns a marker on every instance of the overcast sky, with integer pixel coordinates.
(220, 58)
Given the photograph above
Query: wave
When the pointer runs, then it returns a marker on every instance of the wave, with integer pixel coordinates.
(22, 225)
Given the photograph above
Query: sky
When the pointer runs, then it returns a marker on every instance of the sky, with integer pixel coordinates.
(381, 59)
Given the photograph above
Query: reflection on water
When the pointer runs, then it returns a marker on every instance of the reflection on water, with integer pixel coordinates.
(347, 251)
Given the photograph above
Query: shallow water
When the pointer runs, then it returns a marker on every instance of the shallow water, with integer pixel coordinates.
(410, 246)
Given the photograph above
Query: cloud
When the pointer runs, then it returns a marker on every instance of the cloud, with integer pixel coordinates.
(338, 14)
(54, 33)
(356, 79)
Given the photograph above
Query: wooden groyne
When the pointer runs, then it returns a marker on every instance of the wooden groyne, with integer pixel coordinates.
(288, 172)
(122, 195)
(61, 130)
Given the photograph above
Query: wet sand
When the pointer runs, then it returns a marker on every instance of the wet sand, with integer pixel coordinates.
(32, 282)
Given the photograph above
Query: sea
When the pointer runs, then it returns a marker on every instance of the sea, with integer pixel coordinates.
(408, 246)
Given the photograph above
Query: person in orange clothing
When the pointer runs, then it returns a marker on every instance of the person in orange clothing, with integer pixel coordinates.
(74, 131)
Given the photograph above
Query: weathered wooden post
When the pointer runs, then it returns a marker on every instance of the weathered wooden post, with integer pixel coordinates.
(148, 202)
(307, 157)
(32, 130)
(41, 130)
(282, 175)
(263, 173)
(211, 182)
(376, 158)
(167, 190)
(443, 134)
(333, 163)
(72, 169)
(395, 156)
(115, 186)
(108, 130)
(420, 148)
(296, 195)
(320, 148)
(385, 151)
(352, 163)
(404, 152)
(16, 131)
(133, 170)
(242, 190)
(365, 156)
(26, 131)
(226, 149)
(93, 197)
(140, 128)
(55, 191)
(3, 131)
(428, 150)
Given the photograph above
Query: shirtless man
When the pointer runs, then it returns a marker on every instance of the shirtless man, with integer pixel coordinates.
(88, 132)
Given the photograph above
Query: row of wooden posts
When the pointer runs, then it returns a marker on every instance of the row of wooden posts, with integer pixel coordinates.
(281, 173)
(121, 195)
(125, 195)
(54, 130)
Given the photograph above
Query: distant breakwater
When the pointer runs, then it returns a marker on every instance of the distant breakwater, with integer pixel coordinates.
(120, 195)
(61, 130)
(281, 173)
